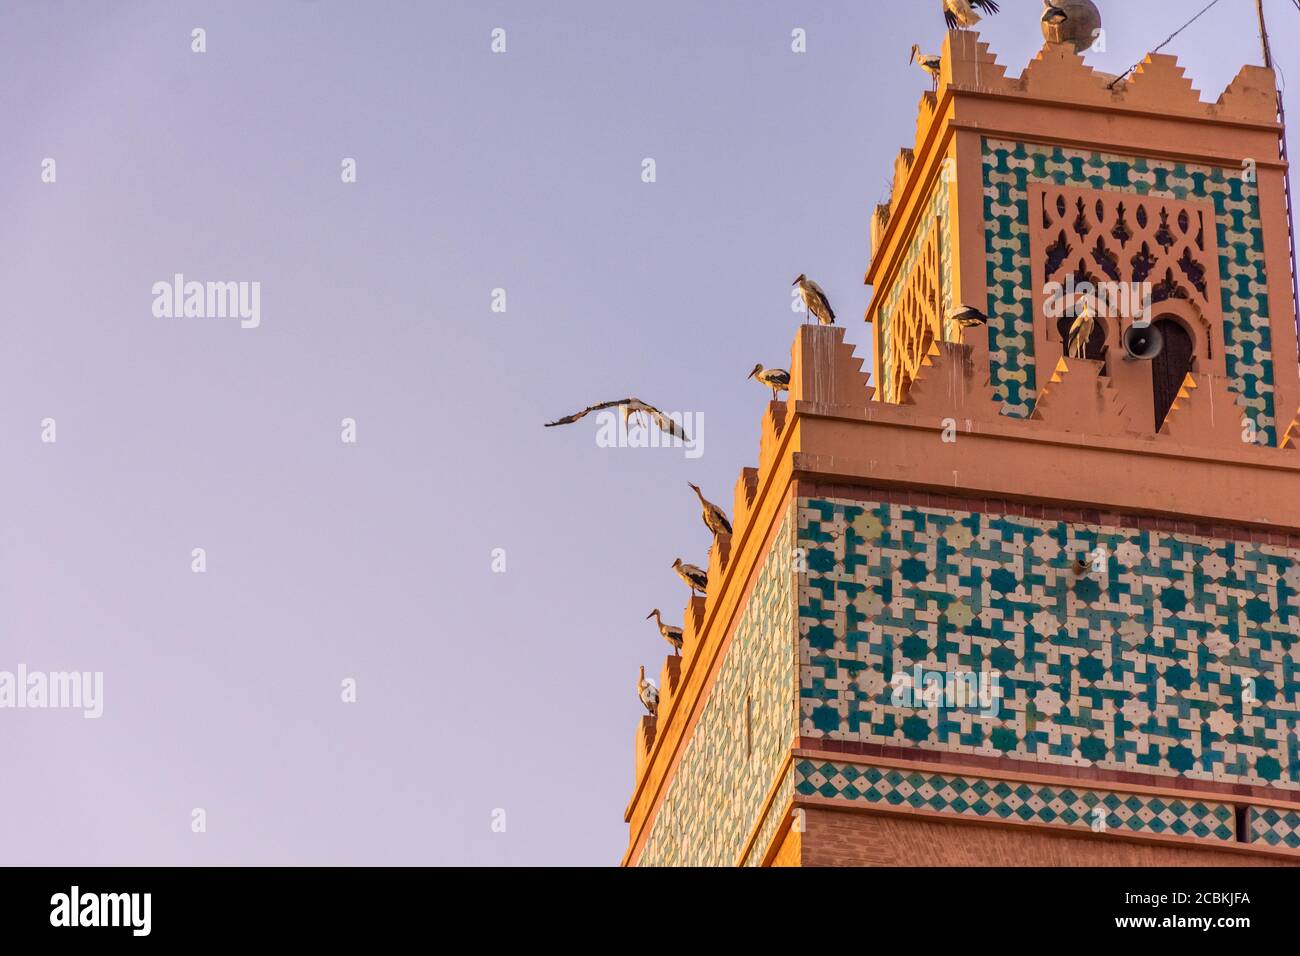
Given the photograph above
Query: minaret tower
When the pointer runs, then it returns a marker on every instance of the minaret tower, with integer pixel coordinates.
(1033, 594)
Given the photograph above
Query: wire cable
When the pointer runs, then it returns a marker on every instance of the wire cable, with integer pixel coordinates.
(1170, 39)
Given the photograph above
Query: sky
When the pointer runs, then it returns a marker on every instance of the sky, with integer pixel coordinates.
(494, 709)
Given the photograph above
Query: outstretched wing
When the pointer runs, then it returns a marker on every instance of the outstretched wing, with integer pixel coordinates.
(988, 6)
(951, 18)
(664, 423)
(570, 419)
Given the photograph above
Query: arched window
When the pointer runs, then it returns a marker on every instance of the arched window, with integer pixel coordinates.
(1171, 366)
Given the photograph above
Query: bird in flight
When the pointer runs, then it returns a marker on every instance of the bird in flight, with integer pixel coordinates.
(629, 407)
(777, 379)
(715, 519)
(961, 13)
(814, 300)
(648, 693)
(697, 579)
(673, 635)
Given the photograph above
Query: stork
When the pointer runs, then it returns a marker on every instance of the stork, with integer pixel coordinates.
(715, 519)
(1081, 331)
(1053, 15)
(673, 635)
(961, 13)
(930, 62)
(967, 316)
(697, 579)
(814, 300)
(648, 693)
(629, 407)
(777, 379)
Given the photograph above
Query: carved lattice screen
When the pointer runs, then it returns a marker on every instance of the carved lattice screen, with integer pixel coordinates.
(915, 322)
(1099, 237)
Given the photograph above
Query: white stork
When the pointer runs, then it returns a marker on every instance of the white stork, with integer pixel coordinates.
(673, 635)
(648, 693)
(930, 62)
(967, 316)
(1053, 15)
(814, 300)
(697, 579)
(629, 407)
(961, 13)
(777, 379)
(714, 517)
(1081, 331)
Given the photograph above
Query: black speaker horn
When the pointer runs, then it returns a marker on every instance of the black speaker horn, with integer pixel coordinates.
(1143, 343)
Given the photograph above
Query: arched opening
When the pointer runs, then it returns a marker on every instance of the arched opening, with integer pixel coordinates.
(1170, 367)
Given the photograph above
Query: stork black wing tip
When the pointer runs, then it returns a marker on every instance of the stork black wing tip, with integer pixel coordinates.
(951, 20)
(989, 6)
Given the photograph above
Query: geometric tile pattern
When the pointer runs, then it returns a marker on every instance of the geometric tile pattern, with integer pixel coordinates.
(775, 816)
(934, 217)
(1010, 168)
(718, 791)
(980, 798)
(1171, 655)
(1273, 827)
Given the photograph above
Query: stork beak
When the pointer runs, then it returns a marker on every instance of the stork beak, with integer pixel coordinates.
(650, 615)
(755, 372)
(912, 58)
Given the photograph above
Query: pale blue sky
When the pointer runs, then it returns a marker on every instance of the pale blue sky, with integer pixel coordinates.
(326, 561)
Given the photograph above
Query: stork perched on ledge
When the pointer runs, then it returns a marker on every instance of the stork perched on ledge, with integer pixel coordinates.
(673, 635)
(961, 13)
(967, 316)
(777, 379)
(930, 62)
(697, 579)
(715, 519)
(1081, 331)
(814, 300)
(648, 693)
(628, 407)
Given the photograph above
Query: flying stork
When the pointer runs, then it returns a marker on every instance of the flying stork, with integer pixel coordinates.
(697, 579)
(673, 635)
(629, 407)
(648, 693)
(930, 62)
(814, 300)
(714, 517)
(961, 13)
(777, 379)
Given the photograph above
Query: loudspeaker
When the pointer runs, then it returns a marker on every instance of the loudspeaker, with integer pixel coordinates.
(1143, 344)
